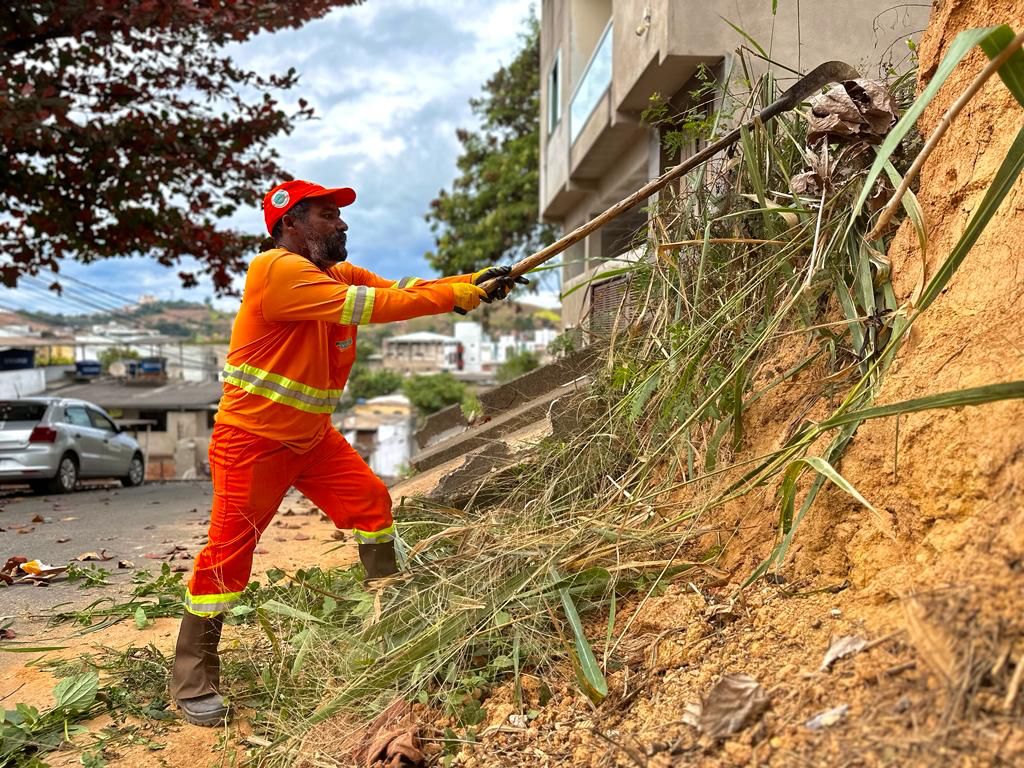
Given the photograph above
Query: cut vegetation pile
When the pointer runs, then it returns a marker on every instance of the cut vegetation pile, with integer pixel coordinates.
(707, 501)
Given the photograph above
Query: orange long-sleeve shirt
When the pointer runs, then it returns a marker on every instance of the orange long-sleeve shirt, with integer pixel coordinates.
(294, 340)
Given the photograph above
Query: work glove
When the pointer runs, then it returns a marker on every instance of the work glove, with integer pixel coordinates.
(503, 276)
(468, 296)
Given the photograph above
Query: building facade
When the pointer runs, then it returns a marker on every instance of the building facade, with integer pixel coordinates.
(381, 431)
(601, 60)
(421, 352)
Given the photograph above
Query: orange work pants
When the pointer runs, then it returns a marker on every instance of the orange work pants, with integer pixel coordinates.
(251, 475)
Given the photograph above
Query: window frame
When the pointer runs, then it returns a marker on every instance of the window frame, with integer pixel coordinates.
(555, 79)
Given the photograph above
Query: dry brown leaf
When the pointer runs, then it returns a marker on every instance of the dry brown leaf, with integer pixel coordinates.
(854, 110)
(931, 642)
(841, 648)
(100, 556)
(734, 702)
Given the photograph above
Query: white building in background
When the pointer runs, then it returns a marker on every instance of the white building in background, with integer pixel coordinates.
(471, 336)
(381, 431)
(483, 353)
(198, 363)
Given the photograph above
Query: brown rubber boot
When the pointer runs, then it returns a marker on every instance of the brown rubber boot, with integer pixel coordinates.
(195, 678)
(378, 560)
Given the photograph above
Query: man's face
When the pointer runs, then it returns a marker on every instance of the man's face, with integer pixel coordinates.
(323, 230)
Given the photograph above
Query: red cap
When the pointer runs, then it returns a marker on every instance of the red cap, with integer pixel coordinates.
(281, 198)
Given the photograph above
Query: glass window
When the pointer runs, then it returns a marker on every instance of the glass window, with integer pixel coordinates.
(21, 410)
(555, 93)
(595, 81)
(101, 422)
(76, 414)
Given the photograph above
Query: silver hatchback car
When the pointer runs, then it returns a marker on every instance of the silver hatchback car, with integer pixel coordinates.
(52, 442)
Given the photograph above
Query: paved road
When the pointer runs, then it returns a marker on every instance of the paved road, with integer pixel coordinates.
(127, 522)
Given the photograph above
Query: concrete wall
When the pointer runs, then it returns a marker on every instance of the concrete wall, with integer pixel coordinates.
(22, 383)
(55, 373)
(183, 446)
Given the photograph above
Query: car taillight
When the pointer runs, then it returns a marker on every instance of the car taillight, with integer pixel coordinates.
(43, 435)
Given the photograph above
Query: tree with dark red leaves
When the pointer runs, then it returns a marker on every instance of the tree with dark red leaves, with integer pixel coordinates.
(127, 130)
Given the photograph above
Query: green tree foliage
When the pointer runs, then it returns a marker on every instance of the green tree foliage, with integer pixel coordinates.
(364, 383)
(113, 354)
(490, 214)
(516, 365)
(434, 392)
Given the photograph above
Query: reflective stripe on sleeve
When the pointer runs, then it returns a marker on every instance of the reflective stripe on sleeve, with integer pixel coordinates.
(406, 282)
(382, 536)
(210, 605)
(358, 306)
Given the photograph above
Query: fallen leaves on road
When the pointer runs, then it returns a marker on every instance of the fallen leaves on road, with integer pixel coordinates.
(173, 552)
(100, 557)
(12, 564)
(126, 564)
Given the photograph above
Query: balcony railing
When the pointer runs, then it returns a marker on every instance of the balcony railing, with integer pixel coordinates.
(592, 86)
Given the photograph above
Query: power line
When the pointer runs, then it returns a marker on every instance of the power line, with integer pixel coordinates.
(180, 358)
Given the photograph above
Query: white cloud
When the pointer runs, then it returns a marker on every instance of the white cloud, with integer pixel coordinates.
(390, 81)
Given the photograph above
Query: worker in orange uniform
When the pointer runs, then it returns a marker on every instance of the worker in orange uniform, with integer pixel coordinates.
(292, 347)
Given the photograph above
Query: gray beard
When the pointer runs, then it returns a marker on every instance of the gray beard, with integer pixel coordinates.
(326, 251)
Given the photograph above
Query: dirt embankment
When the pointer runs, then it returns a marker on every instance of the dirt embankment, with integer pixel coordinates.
(939, 582)
(935, 586)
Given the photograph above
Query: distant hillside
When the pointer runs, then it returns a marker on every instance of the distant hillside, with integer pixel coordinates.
(202, 323)
(191, 320)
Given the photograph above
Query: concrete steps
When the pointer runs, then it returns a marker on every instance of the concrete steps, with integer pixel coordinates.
(520, 403)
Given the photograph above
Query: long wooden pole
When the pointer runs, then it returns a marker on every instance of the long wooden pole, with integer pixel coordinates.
(811, 83)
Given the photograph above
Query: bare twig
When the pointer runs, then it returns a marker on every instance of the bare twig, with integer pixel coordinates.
(632, 753)
(936, 135)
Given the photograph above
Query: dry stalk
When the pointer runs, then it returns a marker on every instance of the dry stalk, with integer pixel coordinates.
(936, 135)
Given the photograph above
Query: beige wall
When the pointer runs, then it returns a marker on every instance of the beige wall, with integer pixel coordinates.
(412, 357)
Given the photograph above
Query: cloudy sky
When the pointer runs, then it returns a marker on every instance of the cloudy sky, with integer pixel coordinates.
(390, 82)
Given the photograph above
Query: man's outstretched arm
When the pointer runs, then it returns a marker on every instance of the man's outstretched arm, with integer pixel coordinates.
(361, 276)
(297, 290)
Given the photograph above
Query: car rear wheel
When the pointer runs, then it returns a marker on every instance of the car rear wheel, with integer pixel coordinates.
(66, 478)
(136, 472)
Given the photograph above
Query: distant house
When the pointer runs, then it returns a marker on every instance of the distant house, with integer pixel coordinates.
(381, 430)
(422, 352)
(172, 422)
